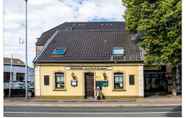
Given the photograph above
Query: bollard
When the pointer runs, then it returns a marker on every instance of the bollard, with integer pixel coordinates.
(29, 94)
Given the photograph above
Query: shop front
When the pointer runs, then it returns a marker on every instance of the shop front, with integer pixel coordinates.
(114, 81)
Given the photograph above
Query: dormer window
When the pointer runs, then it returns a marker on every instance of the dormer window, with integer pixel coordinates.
(60, 51)
(118, 51)
(118, 54)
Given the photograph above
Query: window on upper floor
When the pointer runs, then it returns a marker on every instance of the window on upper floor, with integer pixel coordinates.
(58, 52)
(7, 76)
(20, 77)
(118, 51)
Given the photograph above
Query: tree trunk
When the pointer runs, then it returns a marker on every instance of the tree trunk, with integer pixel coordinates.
(178, 78)
(174, 92)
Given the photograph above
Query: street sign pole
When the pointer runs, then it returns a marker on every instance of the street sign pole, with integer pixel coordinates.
(26, 56)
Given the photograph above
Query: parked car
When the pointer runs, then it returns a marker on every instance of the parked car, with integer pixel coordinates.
(18, 88)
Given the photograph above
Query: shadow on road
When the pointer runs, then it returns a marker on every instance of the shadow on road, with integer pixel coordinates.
(176, 112)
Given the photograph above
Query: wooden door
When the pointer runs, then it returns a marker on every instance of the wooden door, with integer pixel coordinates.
(89, 85)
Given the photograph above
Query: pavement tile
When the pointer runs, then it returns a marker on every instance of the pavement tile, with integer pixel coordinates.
(157, 101)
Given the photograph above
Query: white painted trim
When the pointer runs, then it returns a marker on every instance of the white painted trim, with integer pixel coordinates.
(141, 81)
(37, 81)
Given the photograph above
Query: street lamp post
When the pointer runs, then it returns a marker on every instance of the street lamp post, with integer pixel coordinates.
(11, 76)
(26, 56)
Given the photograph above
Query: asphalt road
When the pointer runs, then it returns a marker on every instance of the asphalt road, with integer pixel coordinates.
(166, 111)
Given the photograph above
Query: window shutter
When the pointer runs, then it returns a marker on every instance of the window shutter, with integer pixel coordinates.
(131, 80)
(46, 80)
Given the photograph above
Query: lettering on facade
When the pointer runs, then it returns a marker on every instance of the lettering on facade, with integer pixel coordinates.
(89, 68)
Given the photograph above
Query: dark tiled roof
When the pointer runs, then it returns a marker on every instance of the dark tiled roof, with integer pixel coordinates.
(16, 61)
(86, 45)
(88, 26)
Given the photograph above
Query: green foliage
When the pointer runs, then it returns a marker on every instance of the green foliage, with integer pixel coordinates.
(160, 23)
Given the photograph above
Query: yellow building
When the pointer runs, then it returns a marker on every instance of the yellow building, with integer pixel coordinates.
(78, 59)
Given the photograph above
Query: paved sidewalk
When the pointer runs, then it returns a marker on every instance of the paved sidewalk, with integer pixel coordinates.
(149, 101)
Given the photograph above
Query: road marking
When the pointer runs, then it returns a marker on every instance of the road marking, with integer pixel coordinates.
(90, 112)
(92, 106)
(163, 109)
(77, 105)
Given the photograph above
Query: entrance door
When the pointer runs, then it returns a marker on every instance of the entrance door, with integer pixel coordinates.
(89, 85)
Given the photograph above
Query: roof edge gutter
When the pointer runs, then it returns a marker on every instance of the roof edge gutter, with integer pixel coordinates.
(92, 61)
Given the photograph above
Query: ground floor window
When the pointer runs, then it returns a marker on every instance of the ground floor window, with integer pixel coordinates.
(59, 80)
(118, 80)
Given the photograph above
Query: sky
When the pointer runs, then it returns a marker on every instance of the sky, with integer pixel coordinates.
(46, 14)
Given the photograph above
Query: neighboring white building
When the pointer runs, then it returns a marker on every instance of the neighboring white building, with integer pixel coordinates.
(18, 71)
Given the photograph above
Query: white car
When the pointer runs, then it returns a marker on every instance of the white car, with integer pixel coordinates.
(17, 85)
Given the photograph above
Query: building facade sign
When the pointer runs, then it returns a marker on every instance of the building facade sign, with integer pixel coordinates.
(102, 83)
(89, 68)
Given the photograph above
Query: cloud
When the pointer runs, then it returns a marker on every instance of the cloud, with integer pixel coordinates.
(46, 14)
(110, 10)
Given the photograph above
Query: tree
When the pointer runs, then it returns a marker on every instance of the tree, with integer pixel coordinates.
(159, 22)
